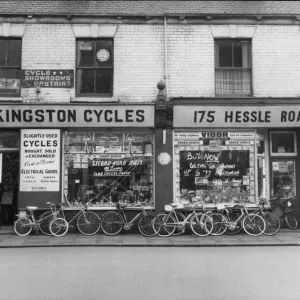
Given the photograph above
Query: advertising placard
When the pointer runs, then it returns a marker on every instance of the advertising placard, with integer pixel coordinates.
(40, 160)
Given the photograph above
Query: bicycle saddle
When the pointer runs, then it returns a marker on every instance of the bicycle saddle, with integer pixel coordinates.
(238, 206)
(174, 204)
(31, 207)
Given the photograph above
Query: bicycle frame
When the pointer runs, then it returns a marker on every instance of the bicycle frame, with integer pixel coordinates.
(127, 225)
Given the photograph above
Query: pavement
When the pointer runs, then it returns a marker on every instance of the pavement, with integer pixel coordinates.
(8, 239)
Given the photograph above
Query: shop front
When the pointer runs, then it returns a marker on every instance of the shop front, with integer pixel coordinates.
(230, 153)
(77, 154)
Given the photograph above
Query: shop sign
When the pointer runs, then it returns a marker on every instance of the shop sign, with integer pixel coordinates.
(115, 168)
(237, 116)
(47, 78)
(40, 160)
(61, 116)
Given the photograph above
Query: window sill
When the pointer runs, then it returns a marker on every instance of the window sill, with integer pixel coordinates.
(10, 99)
(95, 99)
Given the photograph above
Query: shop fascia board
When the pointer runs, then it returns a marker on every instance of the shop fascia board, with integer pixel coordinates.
(245, 101)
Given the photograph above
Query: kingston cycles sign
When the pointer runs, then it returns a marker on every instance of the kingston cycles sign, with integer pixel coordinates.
(61, 116)
(237, 116)
(47, 78)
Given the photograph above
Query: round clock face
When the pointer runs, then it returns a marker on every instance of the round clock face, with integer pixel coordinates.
(103, 55)
(164, 158)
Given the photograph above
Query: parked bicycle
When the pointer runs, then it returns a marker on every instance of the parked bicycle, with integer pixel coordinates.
(113, 222)
(272, 221)
(25, 224)
(283, 208)
(88, 222)
(173, 221)
(253, 224)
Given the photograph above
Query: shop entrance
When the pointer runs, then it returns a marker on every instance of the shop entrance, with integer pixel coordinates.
(9, 168)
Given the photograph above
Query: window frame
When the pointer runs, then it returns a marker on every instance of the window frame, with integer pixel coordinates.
(102, 95)
(283, 154)
(8, 67)
(216, 40)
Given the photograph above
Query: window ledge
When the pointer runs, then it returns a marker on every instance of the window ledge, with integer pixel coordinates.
(11, 99)
(95, 99)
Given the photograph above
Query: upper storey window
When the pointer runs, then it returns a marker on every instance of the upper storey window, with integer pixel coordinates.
(233, 67)
(94, 67)
(10, 66)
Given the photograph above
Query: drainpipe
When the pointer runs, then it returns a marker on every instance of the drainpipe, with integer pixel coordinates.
(166, 57)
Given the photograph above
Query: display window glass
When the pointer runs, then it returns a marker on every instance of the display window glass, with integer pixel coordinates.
(283, 178)
(283, 143)
(103, 168)
(215, 167)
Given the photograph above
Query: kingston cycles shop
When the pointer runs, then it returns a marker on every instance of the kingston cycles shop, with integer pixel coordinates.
(75, 154)
(235, 153)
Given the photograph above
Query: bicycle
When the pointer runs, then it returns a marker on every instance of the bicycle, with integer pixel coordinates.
(113, 222)
(25, 224)
(272, 221)
(282, 208)
(88, 222)
(252, 224)
(199, 221)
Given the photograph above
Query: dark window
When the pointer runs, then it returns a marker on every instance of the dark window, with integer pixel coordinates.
(94, 67)
(233, 67)
(10, 66)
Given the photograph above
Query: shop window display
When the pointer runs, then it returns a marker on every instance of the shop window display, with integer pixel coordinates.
(105, 168)
(215, 167)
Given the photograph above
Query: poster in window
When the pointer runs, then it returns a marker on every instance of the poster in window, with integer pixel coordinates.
(40, 160)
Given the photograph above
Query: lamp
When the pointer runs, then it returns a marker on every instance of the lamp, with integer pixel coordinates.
(147, 149)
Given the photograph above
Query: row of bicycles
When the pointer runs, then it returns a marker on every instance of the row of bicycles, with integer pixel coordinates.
(227, 218)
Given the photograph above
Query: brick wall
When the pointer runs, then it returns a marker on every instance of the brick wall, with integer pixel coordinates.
(139, 60)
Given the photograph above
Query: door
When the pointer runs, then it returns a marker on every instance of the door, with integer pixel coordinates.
(9, 168)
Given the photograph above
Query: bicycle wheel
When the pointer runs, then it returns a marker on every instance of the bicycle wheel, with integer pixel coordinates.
(59, 227)
(179, 228)
(233, 227)
(168, 225)
(44, 222)
(219, 222)
(112, 223)
(254, 225)
(201, 224)
(290, 221)
(23, 226)
(88, 223)
(272, 223)
(146, 225)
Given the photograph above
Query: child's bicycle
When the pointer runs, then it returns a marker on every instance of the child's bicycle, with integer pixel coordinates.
(25, 224)
(283, 208)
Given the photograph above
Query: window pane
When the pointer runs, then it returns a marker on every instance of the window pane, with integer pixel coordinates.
(224, 54)
(85, 54)
(10, 81)
(9, 139)
(104, 53)
(104, 81)
(14, 53)
(237, 55)
(85, 81)
(3, 45)
(283, 143)
(230, 82)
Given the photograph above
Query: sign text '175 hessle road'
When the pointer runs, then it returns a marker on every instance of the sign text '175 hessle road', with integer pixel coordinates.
(237, 116)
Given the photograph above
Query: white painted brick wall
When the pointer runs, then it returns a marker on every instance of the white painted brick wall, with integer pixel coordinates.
(276, 61)
(48, 46)
(190, 61)
(139, 60)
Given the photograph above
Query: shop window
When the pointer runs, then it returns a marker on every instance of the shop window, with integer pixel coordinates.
(94, 67)
(104, 168)
(283, 177)
(215, 167)
(10, 66)
(283, 143)
(9, 139)
(233, 67)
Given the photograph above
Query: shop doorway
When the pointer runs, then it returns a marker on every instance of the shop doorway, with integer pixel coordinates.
(9, 174)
